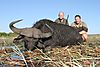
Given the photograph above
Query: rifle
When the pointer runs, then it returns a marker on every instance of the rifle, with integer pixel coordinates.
(67, 17)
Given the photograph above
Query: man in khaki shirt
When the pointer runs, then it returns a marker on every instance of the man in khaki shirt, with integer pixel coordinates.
(61, 19)
(81, 27)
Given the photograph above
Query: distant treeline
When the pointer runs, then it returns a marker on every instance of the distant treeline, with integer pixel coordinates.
(3, 34)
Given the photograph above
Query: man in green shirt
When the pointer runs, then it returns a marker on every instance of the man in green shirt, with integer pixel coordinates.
(81, 27)
(61, 19)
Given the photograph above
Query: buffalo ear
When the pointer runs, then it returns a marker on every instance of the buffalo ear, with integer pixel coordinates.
(34, 32)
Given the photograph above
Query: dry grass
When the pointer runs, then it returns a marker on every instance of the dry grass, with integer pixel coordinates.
(83, 55)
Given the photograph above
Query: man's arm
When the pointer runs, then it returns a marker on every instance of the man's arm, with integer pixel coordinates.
(84, 26)
(85, 29)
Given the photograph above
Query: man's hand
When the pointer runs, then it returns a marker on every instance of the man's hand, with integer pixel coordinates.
(83, 32)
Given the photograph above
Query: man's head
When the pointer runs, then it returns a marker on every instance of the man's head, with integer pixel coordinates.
(77, 19)
(61, 15)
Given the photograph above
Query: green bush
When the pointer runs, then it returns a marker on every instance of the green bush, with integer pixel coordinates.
(3, 34)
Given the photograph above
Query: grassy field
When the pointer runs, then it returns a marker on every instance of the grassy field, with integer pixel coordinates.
(83, 55)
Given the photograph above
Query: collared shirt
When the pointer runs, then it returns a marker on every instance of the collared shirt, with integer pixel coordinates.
(65, 22)
(81, 26)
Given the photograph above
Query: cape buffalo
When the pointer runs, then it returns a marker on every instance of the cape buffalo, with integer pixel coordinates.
(46, 33)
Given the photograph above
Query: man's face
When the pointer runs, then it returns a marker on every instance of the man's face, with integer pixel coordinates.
(78, 20)
(61, 15)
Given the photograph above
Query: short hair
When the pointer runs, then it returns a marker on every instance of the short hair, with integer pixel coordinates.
(78, 16)
(61, 12)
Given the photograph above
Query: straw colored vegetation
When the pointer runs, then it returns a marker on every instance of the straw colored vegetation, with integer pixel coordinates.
(83, 55)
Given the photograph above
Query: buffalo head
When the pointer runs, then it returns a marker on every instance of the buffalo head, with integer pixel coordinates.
(30, 36)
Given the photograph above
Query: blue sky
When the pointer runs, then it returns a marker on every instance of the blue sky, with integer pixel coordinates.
(34, 10)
